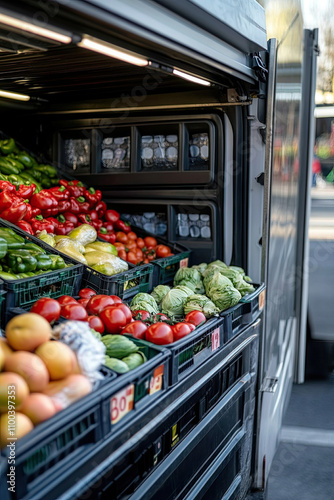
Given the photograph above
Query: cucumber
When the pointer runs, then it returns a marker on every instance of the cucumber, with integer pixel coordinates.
(116, 364)
(118, 346)
(134, 360)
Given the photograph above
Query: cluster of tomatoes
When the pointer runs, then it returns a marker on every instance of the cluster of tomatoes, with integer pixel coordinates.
(108, 314)
(139, 250)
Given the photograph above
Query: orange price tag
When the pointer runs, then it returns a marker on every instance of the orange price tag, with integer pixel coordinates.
(156, 380)
(215, 339)
(184, 262)
(262, 300)
(122, 403)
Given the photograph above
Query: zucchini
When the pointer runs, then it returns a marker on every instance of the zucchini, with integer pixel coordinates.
(118, 346)
(116, 364)
(134, 360)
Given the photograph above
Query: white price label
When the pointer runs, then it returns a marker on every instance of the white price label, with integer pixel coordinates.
(184, 262)
(215, 339)
(122, 403)
(262, 300)
(156, 380)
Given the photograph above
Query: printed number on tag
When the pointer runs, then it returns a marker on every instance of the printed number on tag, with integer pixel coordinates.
(184, 262)
(156, 380)
(262, 300)
(215, 339)
(122, 403)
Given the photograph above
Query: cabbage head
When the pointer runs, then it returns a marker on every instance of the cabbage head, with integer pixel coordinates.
(173, 302)
(245, 288)
(145, 302)
(159, 292)
(200, 267)
(216, 283)
(200, 303)
(189, 277)
(229, 297)
(234, 276)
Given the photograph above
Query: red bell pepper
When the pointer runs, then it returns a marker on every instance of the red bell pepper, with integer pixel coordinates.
(93, 215)
(83, 204)
(111, 216)
(35, 212)
(64, 228)
(101, 208)
(84, 219)
(92, 196)
(64, 206)
(28, 214)
(76, 188)
(120, 225)
(75, 207)
(40, 224)
(110, 237)
(97, 224)
(109, 226)
(69, 217)
(12, 207)
(46, 202)
(7, 186)
(53, 221)
(60, 193)
(25, 226)
(26, 192)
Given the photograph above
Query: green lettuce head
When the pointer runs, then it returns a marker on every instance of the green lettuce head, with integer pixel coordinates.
(245, 288)
(200, 267)
(159, 292)
(200, 303)
(189, 277)
(173, 302)
(229, 297)
(216, 283)
(233, 275)
(144, 301)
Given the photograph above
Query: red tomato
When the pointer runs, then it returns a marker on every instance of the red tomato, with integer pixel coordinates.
(191, 325)
(195, 317)
(74, 312)
(126, 310)
(139, 254)
(66, 299)
(97, 303)
(96, 324)
(132, 258)
(162, 251)
(119, 246)
(113, 318)
(159, 333)
(83, 302)
(180, 330)
(160, 317)
(121, 237)
(137, 329)
(151, 255)
(132, 236)
(116, 299)
(48, 308)
(122, 254)
(140, 243)
(150, 242)
(141, 314)
(131, 246)
(86, 293)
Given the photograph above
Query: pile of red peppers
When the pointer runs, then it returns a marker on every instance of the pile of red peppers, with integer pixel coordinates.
(59, 209)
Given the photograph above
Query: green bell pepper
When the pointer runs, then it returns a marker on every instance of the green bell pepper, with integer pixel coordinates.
(26, 175)
(8, 276)
(43, 260)
(15, 163)
(55, 181)
(7, 168)
(46, 182)
(34, 247)
(3, 177)
(57, 262)
(7, 146)
(17, 180)
(14, 241)
(3, 247)
(21, 261)
(36, 174)
(47, 170)
(27, 160)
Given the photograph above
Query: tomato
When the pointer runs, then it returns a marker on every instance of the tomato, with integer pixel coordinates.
(151, 255)
(86, 293)
(122, 254)
(160, 334)
(195, 317)
(66, 299)
(48, 308)
(74, 312)
(140, 243)
(191, 326)
(116, 299)
(180, 330)
(83, 302)
(126, 310)
(131, 246)
(146, 261)
(141, 314)
(114, 319)
(122, 237)
(150, 242)
(97, 303)
(119, 246)
(139, 254)
(162, 251)
(132, 258)
(160, 317)
(132, 236)
(96, 324)
(137, 329)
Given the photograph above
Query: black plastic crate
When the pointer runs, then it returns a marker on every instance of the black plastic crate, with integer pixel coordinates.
(191, 351)
(233, 321)
(52, 446)
(125, 285)
(24, 292)
(164, 269)
(253, 303)
(137, 388)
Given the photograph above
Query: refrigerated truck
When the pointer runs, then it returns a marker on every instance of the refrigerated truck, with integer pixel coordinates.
(192, 123)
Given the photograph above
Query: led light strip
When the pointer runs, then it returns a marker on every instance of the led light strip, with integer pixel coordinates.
(90, 43)
(14, 95)
(191, 78)
(33, 28)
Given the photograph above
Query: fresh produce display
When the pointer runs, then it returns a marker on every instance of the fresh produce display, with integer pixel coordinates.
(45, 373)
(122, 355)
(20, 258)
(139, 250)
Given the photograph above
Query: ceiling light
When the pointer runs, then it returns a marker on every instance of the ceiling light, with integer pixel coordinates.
(33, 28)
(110, 50)
(191, 78)
(14, 95)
